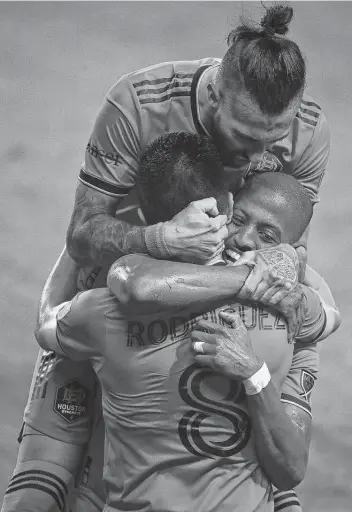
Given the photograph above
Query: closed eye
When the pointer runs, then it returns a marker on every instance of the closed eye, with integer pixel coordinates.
(268, 238)
(238, 221)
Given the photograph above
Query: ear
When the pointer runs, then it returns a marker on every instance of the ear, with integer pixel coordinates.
(213, 95)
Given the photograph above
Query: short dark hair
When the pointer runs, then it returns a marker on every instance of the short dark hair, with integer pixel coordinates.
(175, 170)
(263, 62)
(286, 187)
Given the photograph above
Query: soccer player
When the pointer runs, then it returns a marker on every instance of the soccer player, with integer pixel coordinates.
(198, 96)
(146, 338)
(251, 103)
(61, 408)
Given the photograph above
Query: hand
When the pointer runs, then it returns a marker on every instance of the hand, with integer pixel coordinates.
(294, 308)
(273, 283)
(226, 348)
(273, 275)
(197, 233)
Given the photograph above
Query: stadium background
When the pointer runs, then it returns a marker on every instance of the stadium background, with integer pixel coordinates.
(57, 61)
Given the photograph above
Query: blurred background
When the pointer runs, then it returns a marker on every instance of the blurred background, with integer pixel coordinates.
(57, 61)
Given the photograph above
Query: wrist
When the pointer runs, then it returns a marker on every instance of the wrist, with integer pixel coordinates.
(155, 241)
(258, 381)
(243, 293)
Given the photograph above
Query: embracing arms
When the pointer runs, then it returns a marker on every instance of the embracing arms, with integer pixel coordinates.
(139, 281)
(281, 425)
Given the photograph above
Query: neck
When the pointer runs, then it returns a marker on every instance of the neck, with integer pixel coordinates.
(205, 111)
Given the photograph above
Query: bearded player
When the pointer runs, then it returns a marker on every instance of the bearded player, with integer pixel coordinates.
(198, 96)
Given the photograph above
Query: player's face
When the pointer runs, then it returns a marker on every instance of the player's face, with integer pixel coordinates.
(259, 222)
(243, 133)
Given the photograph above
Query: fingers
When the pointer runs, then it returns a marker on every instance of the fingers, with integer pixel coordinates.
(218, 250)
(264, 295)
(204, 360)
(204, 348)
(230, 212)
(207, 205)
(204, 328)
(291, 328)
(232, 319)
(219, 223)
(274, 295)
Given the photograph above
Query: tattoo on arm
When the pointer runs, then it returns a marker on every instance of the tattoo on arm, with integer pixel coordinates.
(94, 233)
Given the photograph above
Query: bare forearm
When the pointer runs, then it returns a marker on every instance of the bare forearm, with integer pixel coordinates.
(104, 237)
(279, 441)
(95, 235)
(60, 286)
(150, 285)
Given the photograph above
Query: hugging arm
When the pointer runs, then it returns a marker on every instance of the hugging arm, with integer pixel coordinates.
(281, 426)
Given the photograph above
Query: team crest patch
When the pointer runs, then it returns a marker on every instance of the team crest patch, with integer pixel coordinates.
(268, 163)
(71, 401)
(307, 384)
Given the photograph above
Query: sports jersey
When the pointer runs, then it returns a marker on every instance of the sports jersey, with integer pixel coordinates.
(179, 435)
(160, 99)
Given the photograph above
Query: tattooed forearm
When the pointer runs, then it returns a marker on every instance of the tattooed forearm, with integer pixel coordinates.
(109, 237)
(94, 234)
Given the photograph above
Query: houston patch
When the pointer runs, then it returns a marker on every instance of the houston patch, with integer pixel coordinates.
(72, 401)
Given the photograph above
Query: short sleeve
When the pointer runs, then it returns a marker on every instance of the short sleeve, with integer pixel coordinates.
(315, 320)
(74, 336)
(313, 163)
(299, 383)
(113, 150)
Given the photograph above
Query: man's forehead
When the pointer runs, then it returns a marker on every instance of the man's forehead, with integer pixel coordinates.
(247, 114)
(256, 198)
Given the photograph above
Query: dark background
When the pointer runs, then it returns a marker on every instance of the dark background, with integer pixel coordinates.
(57, 61)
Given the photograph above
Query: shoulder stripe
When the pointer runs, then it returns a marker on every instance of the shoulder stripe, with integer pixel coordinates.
(287, 505)
(306, 119)
(293, 400)
(38, 488)
(34, 479)
(284, 495)
(40, 472)
(309, 112)
(311, 104)
(168, 87)
(102, 186)
(162, 80)
(166, 97)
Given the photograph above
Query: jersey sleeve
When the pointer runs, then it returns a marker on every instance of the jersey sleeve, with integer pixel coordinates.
(315, 320)
(112, 153)
(299, 383)
(312, 165)
(75, 337)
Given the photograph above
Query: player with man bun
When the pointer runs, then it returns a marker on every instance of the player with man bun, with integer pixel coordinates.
(287, 132)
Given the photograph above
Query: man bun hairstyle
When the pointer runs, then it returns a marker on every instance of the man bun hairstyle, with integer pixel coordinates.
(277, 19)
(176, 169)
(265, 63)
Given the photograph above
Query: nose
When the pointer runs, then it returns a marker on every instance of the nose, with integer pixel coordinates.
(244, 240)
(255, 154)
